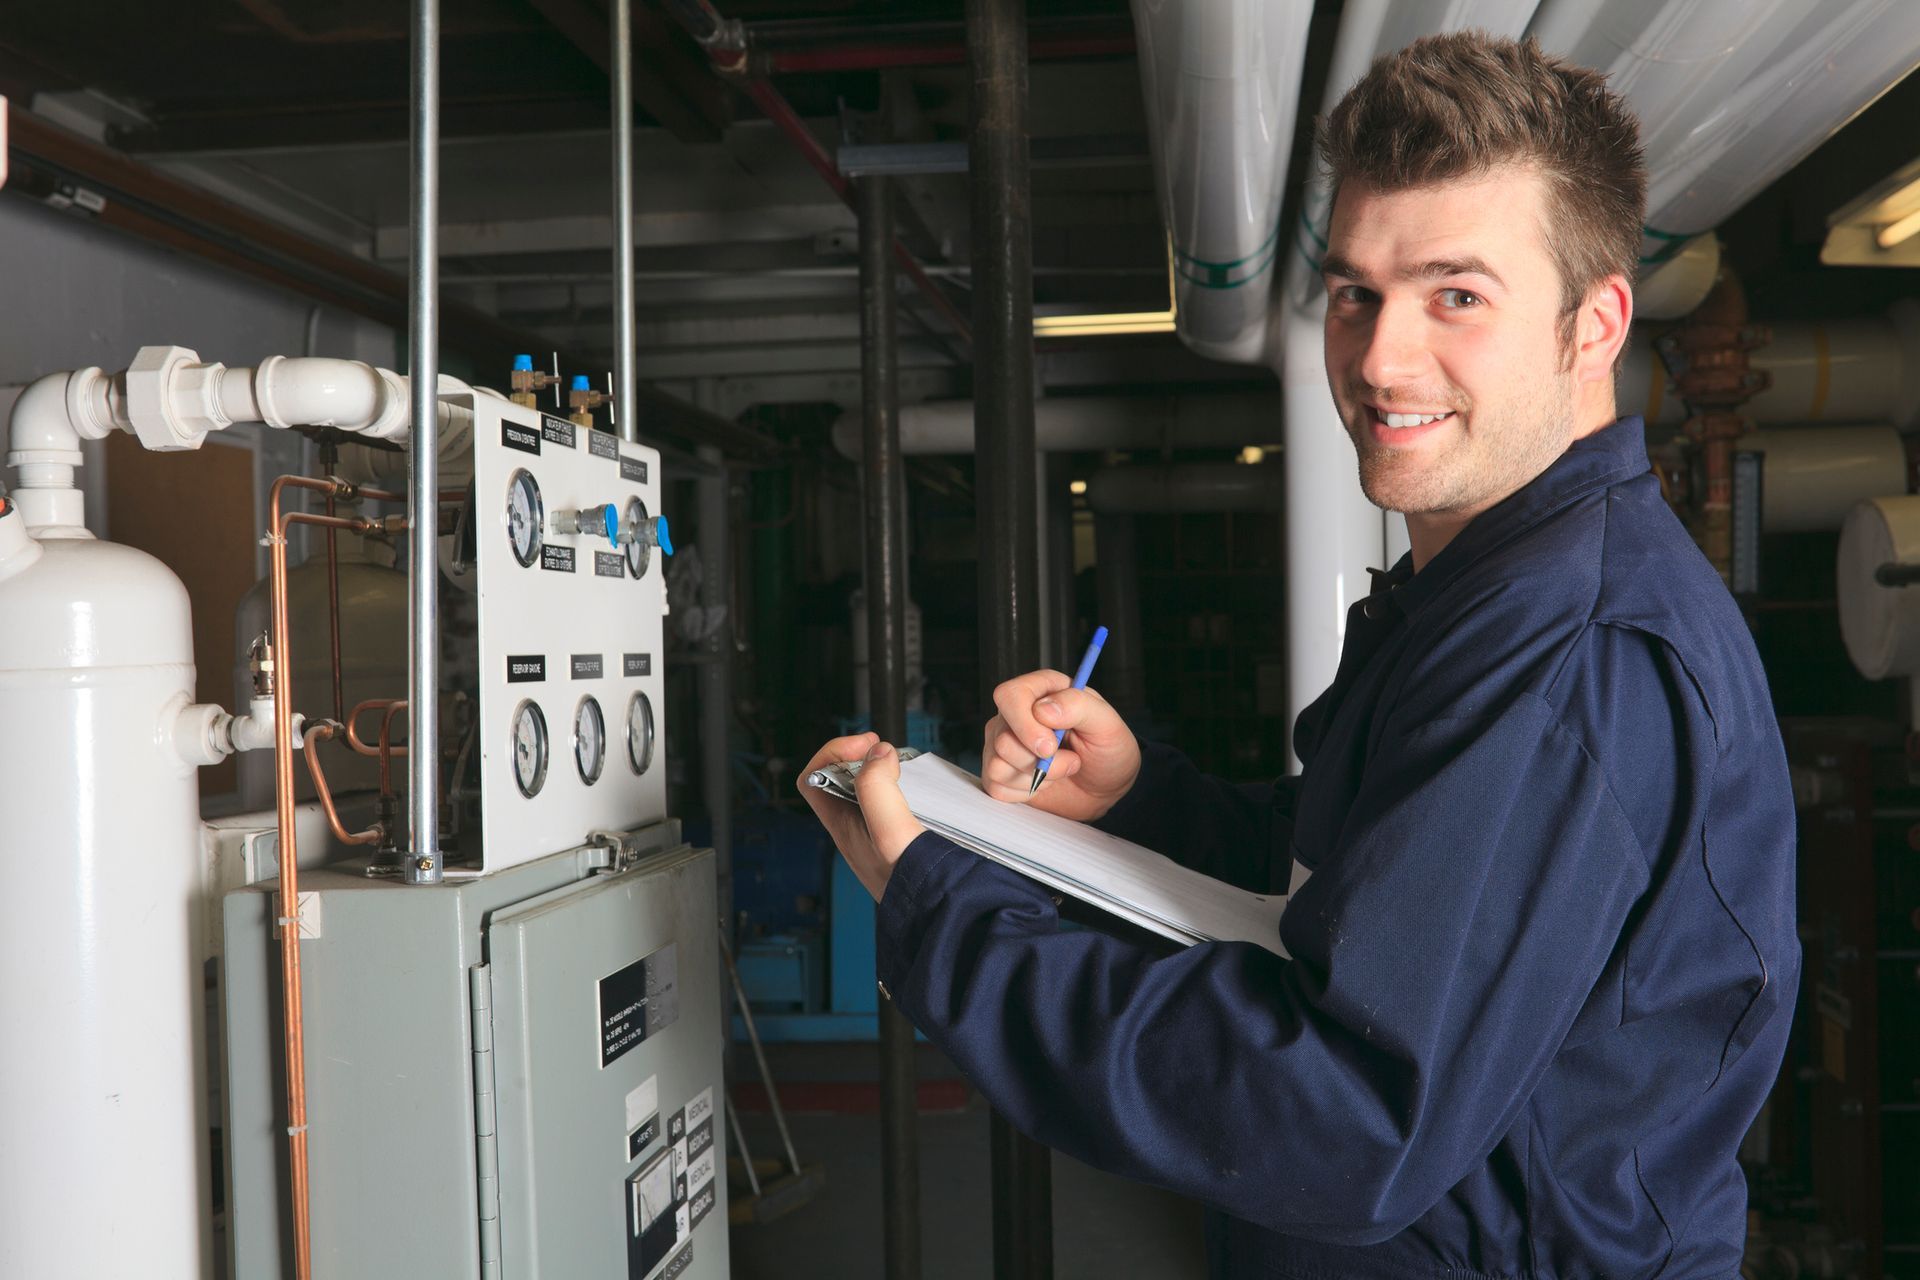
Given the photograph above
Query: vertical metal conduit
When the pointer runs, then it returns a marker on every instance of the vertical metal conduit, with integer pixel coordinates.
(624, 413)
(883, 483)
(423, 480)
(1002, 227)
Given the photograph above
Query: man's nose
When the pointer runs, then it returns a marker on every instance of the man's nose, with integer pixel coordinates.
(1396, 351)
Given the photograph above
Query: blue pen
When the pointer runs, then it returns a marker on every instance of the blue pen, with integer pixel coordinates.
(1079, 682)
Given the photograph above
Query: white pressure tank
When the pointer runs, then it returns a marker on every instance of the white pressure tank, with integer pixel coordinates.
(103, 1108)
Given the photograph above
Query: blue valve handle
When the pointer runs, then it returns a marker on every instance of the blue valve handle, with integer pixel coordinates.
(610, 522)
(660, 536)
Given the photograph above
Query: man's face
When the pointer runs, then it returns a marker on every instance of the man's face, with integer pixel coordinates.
(1442, 301)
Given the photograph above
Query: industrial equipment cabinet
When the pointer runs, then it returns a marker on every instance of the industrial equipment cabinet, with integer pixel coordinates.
(512, 1075)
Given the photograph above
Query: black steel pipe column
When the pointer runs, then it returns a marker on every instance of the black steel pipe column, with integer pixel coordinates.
(1008, 515)
(883, 485)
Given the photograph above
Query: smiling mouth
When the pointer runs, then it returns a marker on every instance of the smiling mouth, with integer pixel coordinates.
(1405, 421)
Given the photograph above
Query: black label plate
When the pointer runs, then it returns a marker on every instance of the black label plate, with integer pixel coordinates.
(515, 436)
(588, 666)
(559, 559)
(638, 1001)
(609, 564)
(633, 469)
(523, 668)
(603, 444)
(557, 431)
(636, 664)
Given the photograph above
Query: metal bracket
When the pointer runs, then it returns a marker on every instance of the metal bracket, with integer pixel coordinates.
(624, 848)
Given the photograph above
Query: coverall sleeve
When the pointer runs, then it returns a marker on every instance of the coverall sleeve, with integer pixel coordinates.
(1440, 957)
(1236, 832)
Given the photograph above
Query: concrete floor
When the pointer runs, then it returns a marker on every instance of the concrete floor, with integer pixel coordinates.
(1103, 1226)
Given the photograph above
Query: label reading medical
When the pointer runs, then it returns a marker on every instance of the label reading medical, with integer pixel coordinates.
(588, 666)
(609, 564)
(640, 1000)
(603, 444)
(525, 667)
(636, 664)
(515, 436)
(559, 559)
(557, 431)
(700, 1138)
(633, 469)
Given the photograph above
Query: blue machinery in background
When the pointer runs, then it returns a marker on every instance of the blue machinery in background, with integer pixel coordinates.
(804, 943)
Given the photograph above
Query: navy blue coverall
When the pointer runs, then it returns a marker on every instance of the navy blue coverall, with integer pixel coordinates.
(1541, 974)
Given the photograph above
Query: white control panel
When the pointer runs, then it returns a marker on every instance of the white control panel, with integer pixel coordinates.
(569, 555)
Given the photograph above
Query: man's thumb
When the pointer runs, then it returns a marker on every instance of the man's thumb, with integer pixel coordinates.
(877, 787)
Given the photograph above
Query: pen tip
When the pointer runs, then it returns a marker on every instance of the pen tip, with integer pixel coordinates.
(1037, 776)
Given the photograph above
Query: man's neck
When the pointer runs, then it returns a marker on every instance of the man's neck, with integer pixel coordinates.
(1429, 532)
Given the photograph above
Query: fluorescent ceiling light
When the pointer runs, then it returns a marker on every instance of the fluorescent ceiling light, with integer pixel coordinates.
(1096, 326)
(1897, 231)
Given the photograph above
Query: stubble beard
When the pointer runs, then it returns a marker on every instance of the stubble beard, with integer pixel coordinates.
(1489, 455)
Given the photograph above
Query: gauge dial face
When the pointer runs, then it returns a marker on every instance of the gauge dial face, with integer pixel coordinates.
(529, 748)
(526, 513)
(639, 548)
(640, 732)
(589, 739)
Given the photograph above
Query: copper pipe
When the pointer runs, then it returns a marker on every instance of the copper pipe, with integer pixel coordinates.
(333, 611)
(316, 734)
(288, 919)
(387, 750)
(353, 738)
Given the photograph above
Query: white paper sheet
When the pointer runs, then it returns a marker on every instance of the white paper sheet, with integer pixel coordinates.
(1115, 875)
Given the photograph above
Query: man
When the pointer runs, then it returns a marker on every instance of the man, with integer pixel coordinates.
(1542, 971)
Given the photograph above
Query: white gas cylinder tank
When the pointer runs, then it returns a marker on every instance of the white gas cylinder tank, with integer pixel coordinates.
(102, 1097)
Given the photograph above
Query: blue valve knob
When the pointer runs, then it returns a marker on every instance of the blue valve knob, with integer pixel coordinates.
(660, 537)
(610, 522)
(523, 364)
(580, 383)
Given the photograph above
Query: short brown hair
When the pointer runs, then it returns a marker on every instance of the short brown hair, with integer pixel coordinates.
(1457, 105)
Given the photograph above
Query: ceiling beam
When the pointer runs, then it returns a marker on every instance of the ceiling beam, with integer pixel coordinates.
(671, 83)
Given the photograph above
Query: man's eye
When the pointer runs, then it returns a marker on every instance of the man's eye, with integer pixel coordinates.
(1459, 298)
(1352, 293)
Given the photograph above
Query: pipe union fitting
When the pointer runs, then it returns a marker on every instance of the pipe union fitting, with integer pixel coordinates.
(155, 400)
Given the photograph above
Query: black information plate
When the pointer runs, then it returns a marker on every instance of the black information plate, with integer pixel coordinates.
(525, 667)
(559, 559)
(588, 666)
(603, 444)
(609, 564)
(642, 1138)
(678, 1266)
(557, 431)
(633, 469)
(515, 436)
(640, 1000)
(700, 1139)
(636, 664)
(701, 1204)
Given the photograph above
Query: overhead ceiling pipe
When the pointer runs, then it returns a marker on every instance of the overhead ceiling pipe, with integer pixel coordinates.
(1082, 424)
(780, 48)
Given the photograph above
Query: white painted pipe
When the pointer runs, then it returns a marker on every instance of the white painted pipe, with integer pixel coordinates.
(1731, 93)
(1187, 486)
(1081, 424)
(1671, 289)
(1880, 624)
(1814, 476)
(1221, 82)
(1865, 369)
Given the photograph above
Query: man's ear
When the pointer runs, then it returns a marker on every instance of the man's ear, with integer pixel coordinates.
(1601, 330)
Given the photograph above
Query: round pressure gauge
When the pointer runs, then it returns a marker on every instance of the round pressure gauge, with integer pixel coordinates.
(633, 524)
(589, 739)
(640, 732)
(526, 513)
(529, 748)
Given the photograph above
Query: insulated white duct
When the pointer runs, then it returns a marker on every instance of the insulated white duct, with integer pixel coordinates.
(1221, 80)
(1731, 93)
(1333, 533)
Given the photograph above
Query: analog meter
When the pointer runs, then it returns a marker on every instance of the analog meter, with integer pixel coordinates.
(529, 748)
(526, 513)
(639, 550)
(640, 732)
(589, 739)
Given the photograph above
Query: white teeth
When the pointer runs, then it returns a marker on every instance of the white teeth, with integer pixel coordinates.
(1410, 419)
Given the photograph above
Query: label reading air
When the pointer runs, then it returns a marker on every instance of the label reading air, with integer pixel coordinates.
(557, 431)
(559, 559)
(588, 666)
(633, 469)
(515, 436)
(636, 664)
(609, 564)
(603, 444)
(525, 667)
(639, 1001)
